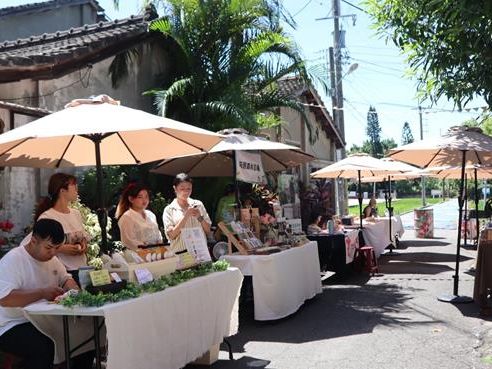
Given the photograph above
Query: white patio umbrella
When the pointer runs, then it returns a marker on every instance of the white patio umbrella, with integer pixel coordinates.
(98, 132)
(220, 160)
(356, 166)
(461, 146)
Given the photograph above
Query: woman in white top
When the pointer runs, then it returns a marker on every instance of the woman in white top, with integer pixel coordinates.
(62, 190)
(184, 212)
(138, 226)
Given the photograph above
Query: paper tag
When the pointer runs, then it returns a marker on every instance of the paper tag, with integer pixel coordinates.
(115, 277)
(143, 275)
(185, 260)
(100, 277)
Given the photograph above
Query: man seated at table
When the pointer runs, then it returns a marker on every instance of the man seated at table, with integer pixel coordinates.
(29, 273)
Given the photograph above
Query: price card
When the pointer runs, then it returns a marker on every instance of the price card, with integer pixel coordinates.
(143, 275)
(115, 277)
(196, 243)
(100, 277)
(185, 260)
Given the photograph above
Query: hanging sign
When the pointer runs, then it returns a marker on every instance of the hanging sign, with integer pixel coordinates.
(249, 167)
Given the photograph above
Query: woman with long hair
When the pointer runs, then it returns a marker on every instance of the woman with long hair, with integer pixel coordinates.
(138, 225)
(184, 213)
(62, 191)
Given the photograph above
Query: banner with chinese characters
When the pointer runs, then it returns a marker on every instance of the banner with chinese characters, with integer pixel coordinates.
(249, 167)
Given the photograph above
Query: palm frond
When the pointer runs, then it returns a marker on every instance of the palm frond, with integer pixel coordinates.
(119, 67)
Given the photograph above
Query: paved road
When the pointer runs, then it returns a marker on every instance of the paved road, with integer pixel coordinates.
(445, 216)
(392, 320)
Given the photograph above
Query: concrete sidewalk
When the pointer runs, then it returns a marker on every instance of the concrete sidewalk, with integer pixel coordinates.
(389, 321)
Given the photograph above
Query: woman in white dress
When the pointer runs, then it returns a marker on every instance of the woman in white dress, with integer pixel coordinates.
(138, 225)
(62, 191)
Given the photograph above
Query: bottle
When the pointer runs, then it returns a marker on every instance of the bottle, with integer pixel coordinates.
(84, 277)
(330, 226)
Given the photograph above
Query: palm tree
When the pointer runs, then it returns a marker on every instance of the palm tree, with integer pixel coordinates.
(227, 56)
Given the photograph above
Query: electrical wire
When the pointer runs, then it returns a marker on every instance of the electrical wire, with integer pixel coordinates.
(304, 7)
(87, 76)
(355, 6)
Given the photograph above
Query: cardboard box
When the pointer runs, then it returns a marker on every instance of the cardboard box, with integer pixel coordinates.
(210, 357)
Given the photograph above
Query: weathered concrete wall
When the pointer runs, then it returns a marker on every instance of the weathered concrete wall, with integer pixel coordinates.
(21, 187)
(51, 20)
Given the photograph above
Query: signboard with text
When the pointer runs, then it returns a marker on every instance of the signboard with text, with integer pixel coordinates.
(249, 167)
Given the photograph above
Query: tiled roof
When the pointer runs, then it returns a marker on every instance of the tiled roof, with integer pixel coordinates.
(46, 5)
(51, 55)
(23, 109)
(294, 86)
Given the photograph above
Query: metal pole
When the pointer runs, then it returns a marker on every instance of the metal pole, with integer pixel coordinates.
(359, 197)
(461, 197)
(101, 211)
(340, 119)
(236, 185)
(422, 179)
(476, 206)
(455, 298)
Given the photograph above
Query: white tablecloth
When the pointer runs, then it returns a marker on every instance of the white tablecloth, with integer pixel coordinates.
(167, 329)
(281, 281)
(376, 234)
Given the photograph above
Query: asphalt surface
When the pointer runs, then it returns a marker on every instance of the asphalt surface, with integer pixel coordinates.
(391, 320)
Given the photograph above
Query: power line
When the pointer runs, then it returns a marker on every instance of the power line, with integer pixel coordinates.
(355, 6)
(304, 7)
(377, 65)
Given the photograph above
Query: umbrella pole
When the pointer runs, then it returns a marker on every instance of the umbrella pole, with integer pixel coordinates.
(390, 215)
(465, 213)
(236, 185)
(359, 197)
(476, 206)
(101, 211)
(455, 298)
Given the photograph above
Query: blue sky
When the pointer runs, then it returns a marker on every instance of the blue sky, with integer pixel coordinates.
(378, 80)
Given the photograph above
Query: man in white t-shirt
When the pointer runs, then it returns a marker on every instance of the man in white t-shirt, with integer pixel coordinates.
(27, 274)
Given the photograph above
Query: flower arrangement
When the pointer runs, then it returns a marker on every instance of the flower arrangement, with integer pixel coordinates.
(6, 228)
(92, 227)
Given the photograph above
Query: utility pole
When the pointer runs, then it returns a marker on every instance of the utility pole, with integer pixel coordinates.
(422, 179)
(335, 58)
(338, 108)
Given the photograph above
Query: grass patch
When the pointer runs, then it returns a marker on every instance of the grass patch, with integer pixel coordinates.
(400, 206)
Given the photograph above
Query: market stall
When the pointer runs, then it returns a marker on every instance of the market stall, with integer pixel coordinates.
(376, 233)
(162, 329)
(281, 281)
(336, 250)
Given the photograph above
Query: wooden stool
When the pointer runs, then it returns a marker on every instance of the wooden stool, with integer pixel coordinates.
(371, 263)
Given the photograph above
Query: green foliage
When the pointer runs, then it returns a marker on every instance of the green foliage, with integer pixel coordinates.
(387, 144)
(84, 298)
(447, 44)
(227, 57)
(92, 227)
(374, 133)
(406, 134)
(400, 206)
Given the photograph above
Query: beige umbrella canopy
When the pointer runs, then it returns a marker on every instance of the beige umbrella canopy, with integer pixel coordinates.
(448, 149)
(99, 131)
(461, 146)
(357, 166)
(454, 172)
(124, 136)
(219, 161)
(404, 171)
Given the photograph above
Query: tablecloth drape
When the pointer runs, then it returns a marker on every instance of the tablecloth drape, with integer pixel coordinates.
(166, 329)
(281, 281)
